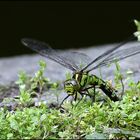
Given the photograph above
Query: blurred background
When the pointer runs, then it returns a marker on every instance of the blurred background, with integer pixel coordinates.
(65, 24)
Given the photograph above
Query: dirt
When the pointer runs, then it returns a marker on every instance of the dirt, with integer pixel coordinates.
(9, 98)
(8, 91)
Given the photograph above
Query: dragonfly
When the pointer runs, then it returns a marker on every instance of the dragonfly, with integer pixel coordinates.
(82, 80)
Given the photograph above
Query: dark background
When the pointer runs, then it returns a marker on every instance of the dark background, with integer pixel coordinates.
(65, 25)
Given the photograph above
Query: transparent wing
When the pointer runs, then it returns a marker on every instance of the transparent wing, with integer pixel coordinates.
(76, 58)
(70, 60)
(105, 55)
(119, 55)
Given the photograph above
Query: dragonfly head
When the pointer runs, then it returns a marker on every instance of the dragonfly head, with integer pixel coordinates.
(71, 86)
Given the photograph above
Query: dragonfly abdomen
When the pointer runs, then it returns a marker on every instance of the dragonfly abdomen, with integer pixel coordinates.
(106, 88)
(86, 80)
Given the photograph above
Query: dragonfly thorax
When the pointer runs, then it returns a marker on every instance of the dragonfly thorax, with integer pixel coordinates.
(78, 81)
(83, 78)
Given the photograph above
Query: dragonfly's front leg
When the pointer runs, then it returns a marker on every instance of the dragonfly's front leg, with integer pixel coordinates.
(85, 92)
(89, 94)
(64, 100)
(75, 98)
(82, 94)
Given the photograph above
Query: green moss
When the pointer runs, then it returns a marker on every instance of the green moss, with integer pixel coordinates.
(108, 120)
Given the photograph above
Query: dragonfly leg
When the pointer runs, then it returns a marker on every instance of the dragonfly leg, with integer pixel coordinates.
(91, 96)
(82, 94)
(75, 98)
(64, 100)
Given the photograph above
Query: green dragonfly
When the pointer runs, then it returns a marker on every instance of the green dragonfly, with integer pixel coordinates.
(81, 80)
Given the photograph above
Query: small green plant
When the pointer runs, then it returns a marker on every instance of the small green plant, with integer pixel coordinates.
(118, 78)
(107, 120)
(24, 94)
(30, 87)
(137, 33)
(39, 81)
